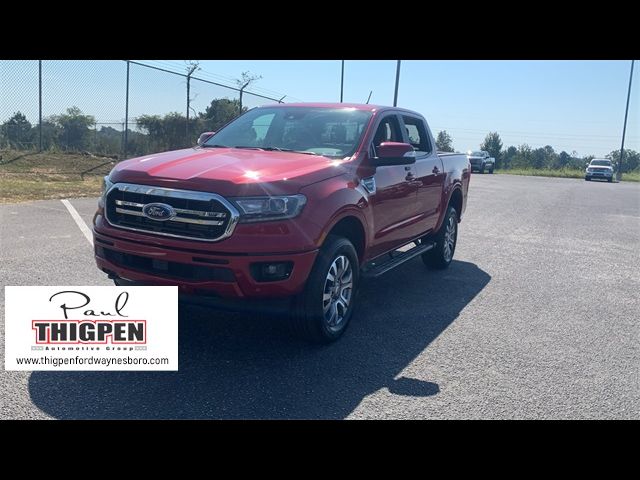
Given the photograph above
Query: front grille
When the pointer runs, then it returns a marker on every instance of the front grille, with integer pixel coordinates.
(199, 215)
(599, 170)
(163, 268)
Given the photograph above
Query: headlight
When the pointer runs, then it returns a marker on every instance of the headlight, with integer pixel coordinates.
(106, 185)
(589, 169)
(260, 209)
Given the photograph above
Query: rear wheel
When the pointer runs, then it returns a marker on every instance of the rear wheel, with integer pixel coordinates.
(588, 179)
(482, 169)
(440, 256)
(322, 312)
(491, 171)
(610, 179)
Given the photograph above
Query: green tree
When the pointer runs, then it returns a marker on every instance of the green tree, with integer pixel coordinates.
(444, 142)
(75, 128)
(17, 130)
(551, 158)
(507, 156)
(563, 159)
(166, 132)
(50, 133)
(630, 162)
(493, 144)
(523, 157)
(220, 112)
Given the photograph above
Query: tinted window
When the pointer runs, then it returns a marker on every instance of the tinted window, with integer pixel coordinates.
(603, 163)
(417, 134)
(388, 131)
(333, 132)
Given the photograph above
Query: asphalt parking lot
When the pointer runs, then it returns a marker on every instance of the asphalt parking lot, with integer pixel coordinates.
(538, 317)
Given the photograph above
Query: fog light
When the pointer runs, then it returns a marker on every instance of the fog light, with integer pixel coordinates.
(271, 271)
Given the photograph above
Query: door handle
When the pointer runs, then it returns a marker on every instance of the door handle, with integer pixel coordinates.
(409, 177)
(436, 170)
(407, 168)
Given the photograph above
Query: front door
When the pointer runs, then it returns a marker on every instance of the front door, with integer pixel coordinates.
(395, 199)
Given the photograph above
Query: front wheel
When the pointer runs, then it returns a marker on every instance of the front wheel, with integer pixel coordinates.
(482, 169)
(491, 171)
(588, 179)
(322, 312)
(440, 256)
(609, 180)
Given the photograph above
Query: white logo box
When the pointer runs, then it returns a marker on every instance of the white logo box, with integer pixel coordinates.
(62, 328)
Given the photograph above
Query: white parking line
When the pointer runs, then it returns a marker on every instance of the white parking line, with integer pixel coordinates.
(79, 221)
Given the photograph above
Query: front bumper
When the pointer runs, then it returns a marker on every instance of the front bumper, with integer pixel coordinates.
(604, 175)
(198, 272)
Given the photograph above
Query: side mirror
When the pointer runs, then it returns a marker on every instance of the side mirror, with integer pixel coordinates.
(204, 137)
(394, 153)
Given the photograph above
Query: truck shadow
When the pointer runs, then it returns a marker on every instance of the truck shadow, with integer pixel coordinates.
(238, 366)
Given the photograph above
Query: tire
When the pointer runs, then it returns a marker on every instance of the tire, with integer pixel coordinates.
(440, 257)
(316, 317)
(481, 169)
(609, 180)
(588, 179)
(491, 171)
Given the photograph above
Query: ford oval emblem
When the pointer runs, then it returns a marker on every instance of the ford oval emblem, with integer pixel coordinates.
(158, 211)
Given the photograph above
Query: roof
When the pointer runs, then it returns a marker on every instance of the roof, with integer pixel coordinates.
(357, 106)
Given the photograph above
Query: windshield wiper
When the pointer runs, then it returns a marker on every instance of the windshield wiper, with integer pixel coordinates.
(248, 147)
(278, 149)
(204, 145)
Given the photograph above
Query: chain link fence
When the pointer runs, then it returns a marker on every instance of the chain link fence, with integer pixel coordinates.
(113, 108)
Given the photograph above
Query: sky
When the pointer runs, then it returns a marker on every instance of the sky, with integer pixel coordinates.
(570, 105)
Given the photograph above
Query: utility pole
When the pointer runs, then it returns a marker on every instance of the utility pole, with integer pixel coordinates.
(40, 104)
(395, 95)
(192, 68)
(241, 92)
(342, 82)
(624, 128)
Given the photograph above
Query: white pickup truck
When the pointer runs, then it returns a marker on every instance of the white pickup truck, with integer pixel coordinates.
(481, 161)
(599, 168)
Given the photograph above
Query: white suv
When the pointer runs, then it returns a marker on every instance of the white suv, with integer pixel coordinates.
(599, 168)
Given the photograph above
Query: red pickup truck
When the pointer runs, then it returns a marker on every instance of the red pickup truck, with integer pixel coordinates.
(285, 209)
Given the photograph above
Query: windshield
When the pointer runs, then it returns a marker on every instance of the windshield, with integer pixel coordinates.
(601, 163)
(332, 132)
(477, 154)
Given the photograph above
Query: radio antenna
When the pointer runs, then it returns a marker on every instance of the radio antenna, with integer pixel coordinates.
(369, 96)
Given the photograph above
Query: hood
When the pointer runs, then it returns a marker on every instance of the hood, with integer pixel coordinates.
(229, 171)
(600, 166)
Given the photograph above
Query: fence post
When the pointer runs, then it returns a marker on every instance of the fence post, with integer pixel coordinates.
(40, 105)
(342, 82)
(126, 116)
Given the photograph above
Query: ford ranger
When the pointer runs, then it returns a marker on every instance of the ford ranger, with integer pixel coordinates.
(286, 209)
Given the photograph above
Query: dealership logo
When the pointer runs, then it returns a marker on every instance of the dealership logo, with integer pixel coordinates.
(91, 328)
(158, 211)
(94, 330)
(54, 332)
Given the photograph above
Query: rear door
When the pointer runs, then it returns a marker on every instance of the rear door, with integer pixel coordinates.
(429, 173)
(395, 199)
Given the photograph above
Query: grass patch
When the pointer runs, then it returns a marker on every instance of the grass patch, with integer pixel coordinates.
(28, 176)
(564, 173)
